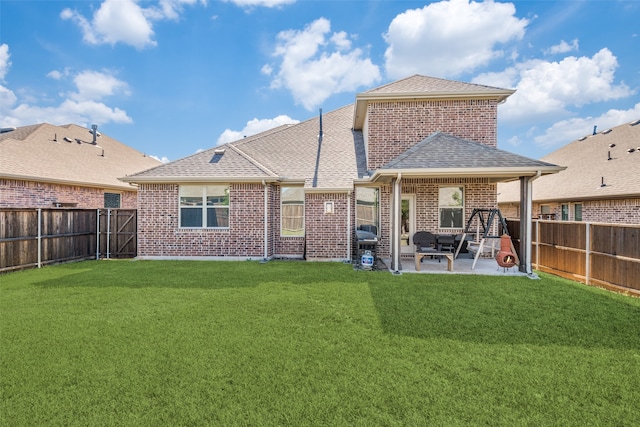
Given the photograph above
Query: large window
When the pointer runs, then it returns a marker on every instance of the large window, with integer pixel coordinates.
(565, 212)
(292, 211)
(451, 206)
(204, 206)
(368, 209)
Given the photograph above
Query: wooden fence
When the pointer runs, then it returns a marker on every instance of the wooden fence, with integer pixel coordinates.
(606, 255)
(36, 237)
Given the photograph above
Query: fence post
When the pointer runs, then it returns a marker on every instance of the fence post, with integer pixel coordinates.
(39, 237)
(97, 234)
(587, 253)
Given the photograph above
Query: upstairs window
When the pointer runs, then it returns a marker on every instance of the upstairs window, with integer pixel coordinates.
(204, 206)
(292, 212)
(451, 206)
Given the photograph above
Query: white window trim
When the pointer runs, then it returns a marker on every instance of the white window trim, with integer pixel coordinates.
(379, 209)
(304, 209)
(464, 200)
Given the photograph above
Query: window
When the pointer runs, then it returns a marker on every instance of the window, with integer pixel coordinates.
(112, 200)
(565, 212)
(368, 209)
(204, 206)
(292, 211)
(451, 206)
(577, 212)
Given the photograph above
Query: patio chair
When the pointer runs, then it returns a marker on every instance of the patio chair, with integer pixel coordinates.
(446, 242)
(425, 242)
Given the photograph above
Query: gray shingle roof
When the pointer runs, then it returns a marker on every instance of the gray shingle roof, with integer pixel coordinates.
(289, 152)
(587, 164)
(425, 84)
(48, 153)
(442, 151)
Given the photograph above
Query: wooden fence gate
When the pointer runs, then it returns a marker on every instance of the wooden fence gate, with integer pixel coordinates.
(35, 237)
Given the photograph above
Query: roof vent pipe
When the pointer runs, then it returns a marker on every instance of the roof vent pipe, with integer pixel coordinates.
(594, 129)
(608, 155)
(94, 131)
(320, 134)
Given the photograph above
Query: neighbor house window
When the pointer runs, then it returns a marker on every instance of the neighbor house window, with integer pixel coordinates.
(292, 211)
(112, 200)
(451, 206)
(204, 206)
(577, 212)
(565, 212)
(368, 209)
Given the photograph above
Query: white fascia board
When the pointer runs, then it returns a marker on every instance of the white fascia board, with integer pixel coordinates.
(467, 172)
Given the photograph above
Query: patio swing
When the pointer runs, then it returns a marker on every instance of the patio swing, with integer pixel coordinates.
(483, 219)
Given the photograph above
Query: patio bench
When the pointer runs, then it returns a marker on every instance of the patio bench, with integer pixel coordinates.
(448, 255)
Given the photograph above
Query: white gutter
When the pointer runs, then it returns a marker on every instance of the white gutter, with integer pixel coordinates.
(349, 225)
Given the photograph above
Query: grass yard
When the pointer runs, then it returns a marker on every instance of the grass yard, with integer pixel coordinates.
(150, 343)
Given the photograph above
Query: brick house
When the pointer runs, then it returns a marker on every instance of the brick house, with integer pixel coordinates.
(416, 154)
(601, 182)
(43, 166)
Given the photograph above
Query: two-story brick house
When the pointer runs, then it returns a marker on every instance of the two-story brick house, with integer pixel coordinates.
(416, 154)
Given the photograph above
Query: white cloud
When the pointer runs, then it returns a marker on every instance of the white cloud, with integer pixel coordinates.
(253, 127)
(163, 159)
(564, 131)
(95, 85)
(317, 64)
(563, 47)
(5, 63)
(79, 108)
(547, 90)
(124, 21)
(448, 38)
(263, 3)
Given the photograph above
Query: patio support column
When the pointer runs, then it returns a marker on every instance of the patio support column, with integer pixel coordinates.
(396, 206)
(526, 226)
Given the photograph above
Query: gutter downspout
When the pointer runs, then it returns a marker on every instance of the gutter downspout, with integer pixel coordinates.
(266, 219)
(349, 235)
(528, 225)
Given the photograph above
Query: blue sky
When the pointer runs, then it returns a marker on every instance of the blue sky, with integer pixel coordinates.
(172, 77)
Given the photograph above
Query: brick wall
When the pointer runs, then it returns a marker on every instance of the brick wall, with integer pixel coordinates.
(326, 233)
(30, 194)
(159, 234)
(393, 127)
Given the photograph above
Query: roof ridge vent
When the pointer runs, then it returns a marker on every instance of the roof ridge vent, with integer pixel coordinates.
(604, 132)
(582, 138)
(635, 122)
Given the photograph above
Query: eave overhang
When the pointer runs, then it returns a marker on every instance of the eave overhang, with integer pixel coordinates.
(67, 182)
(493, 174)
(195, 179)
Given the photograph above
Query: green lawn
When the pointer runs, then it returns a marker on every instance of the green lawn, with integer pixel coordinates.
(290, 343)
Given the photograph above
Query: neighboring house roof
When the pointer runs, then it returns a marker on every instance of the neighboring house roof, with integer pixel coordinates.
(424, 87)
(289, 153)
(443, 154)
(67, 155)
(587, 167)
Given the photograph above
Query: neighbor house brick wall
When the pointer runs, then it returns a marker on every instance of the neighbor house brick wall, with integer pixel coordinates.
(393, 127)
(159, 234)
(614, 211)
(31, 194)
(326, 233)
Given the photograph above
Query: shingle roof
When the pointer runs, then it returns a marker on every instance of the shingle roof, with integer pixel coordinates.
(587, 165)
(66, 154)
(289, 152)
(425, 84)
(441, 151)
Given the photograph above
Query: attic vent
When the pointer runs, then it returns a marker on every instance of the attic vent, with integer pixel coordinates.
(217, 155)
(604, 132)
(66, 138)
(582, 139)
(612, 145)
(636, 122)
(631, 150)
(7, 129)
